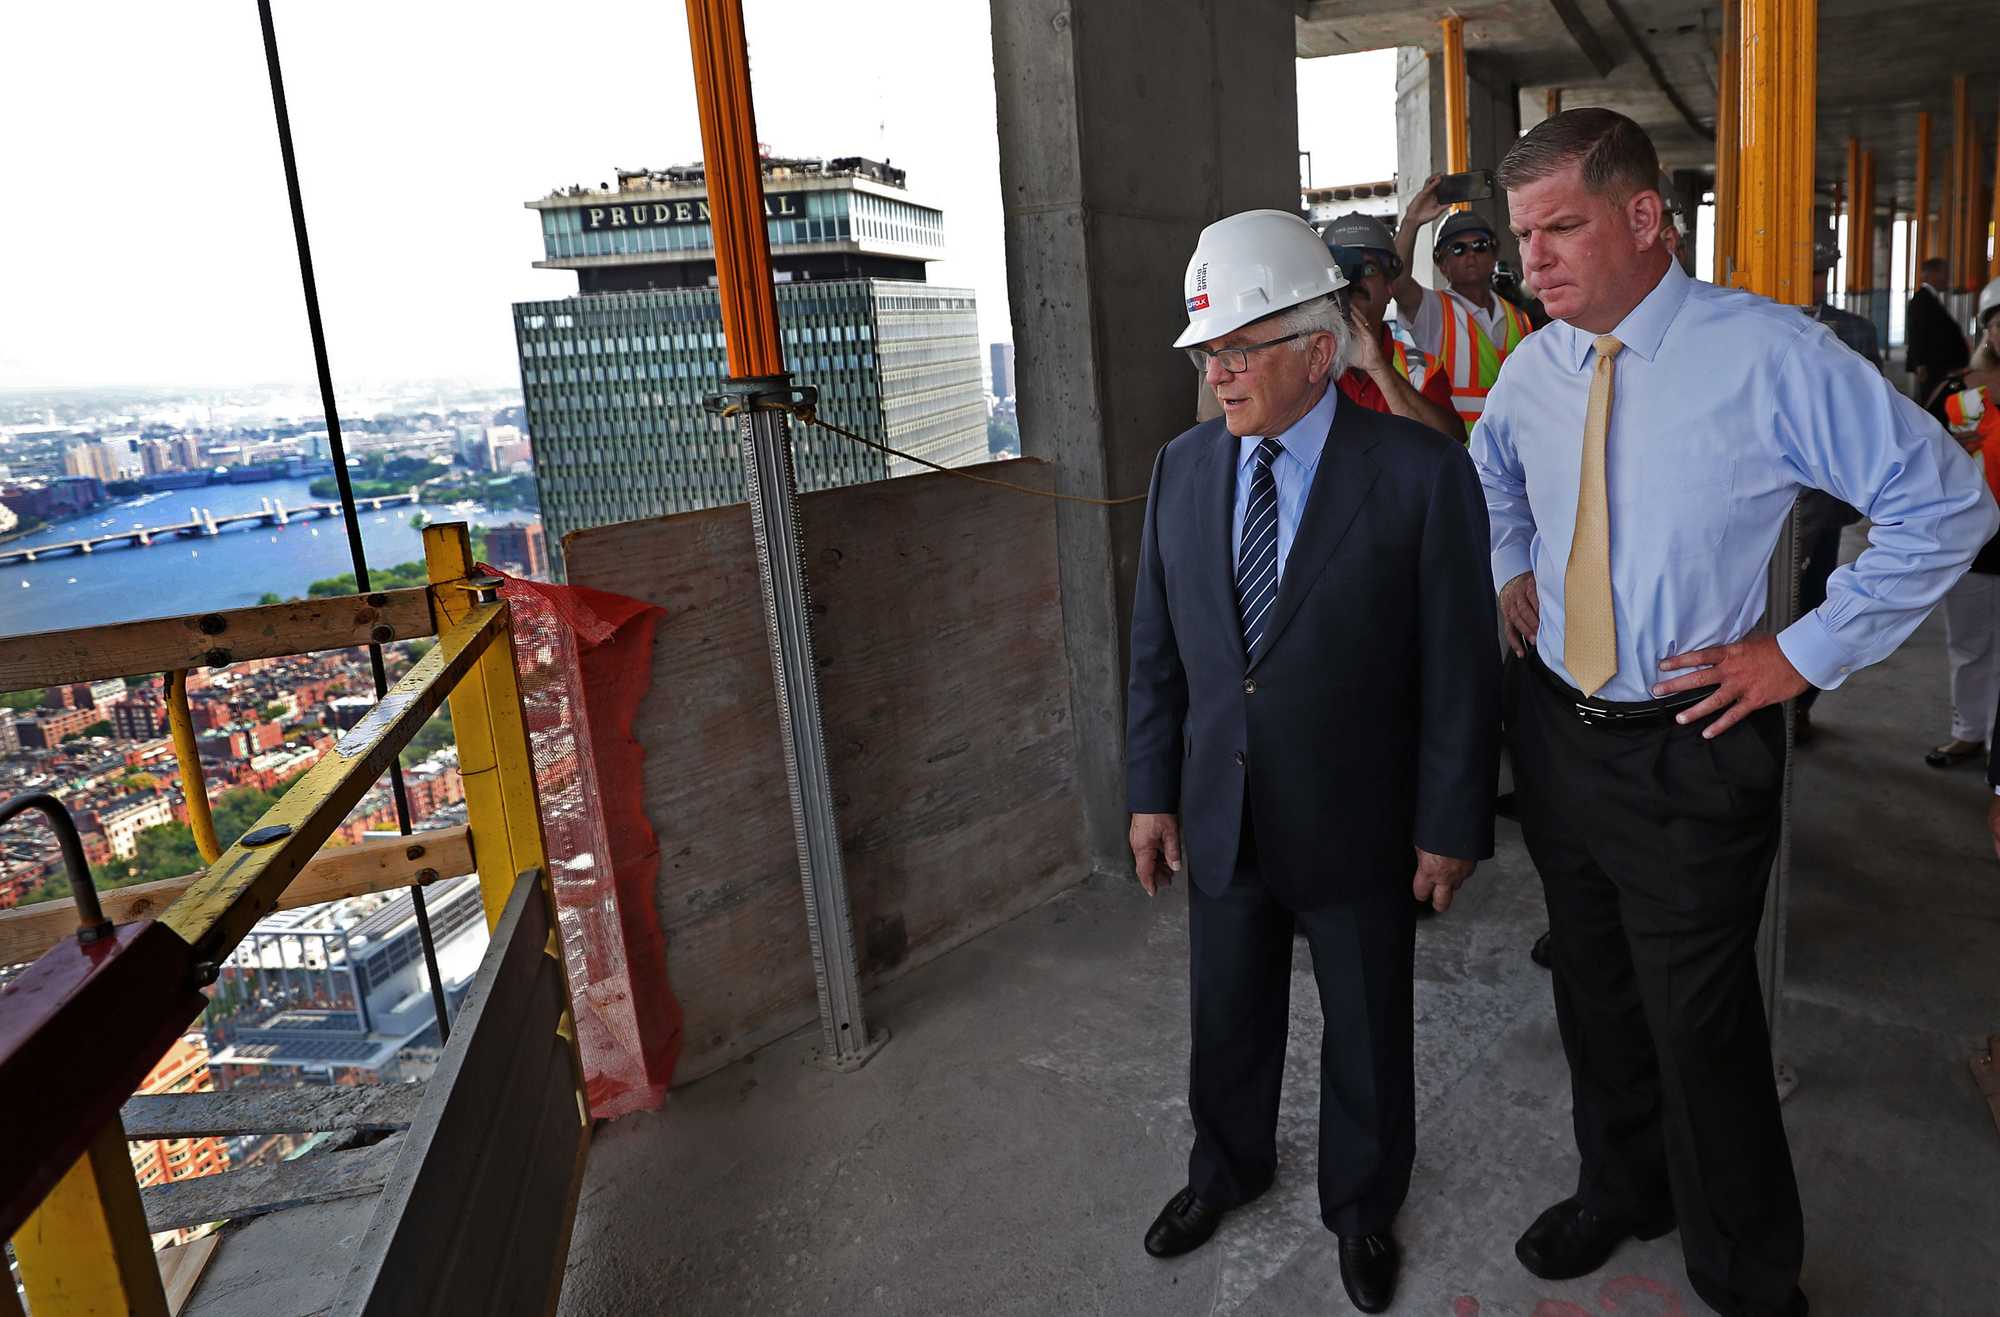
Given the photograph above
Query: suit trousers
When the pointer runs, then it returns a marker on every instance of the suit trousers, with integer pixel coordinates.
(1655, 848)
(1240, 966)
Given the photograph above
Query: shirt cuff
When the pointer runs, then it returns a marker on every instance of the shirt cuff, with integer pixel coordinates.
(1812, 649)
(1509, 562)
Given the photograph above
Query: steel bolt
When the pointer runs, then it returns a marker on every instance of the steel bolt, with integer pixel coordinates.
(216, 658)
(414, 853)
(377, 600)
(426, 877)
(382, 634)
(213, 624)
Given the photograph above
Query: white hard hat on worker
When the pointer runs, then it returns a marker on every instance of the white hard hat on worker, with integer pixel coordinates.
(1263, 324)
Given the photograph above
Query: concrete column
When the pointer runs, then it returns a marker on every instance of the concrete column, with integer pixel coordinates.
(1493, 109)
(1125, 127)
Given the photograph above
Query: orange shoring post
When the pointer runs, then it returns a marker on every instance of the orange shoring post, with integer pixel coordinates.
(1920, 238)
(1865, 208)
(1850, 193)
(1993, 220)
(1553, 103)
(735, 187)
(1779, 44)
(1457, 129)
(1961, 130)
(1728, 132)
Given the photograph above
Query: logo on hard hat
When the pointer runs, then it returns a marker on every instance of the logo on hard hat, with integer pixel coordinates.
(1199, 302)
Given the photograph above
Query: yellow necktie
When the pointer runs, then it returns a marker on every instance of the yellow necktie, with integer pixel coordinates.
(1590, 631)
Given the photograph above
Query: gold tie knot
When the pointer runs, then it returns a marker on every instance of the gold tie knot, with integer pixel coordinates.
(1607, 347)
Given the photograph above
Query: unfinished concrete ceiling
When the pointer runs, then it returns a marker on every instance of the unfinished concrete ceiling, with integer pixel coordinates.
(1880, 62)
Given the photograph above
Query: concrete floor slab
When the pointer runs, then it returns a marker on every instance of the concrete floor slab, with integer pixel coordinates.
(1006, 1151)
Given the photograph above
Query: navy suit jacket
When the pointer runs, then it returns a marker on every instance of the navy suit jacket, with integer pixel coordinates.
(1369, 723)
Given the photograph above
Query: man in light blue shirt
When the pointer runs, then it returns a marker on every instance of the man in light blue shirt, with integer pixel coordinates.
(1640, 457)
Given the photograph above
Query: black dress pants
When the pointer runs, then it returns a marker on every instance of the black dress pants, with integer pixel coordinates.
(1241, 971)
(1655, 848)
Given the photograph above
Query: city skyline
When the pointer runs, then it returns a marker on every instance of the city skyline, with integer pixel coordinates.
(419, 135)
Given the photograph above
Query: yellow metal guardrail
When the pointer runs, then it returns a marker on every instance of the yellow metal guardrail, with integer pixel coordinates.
(85, 1249)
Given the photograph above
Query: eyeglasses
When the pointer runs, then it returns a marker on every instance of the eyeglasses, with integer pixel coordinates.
(1237, 360)
(1480, 245)
(1363, 270)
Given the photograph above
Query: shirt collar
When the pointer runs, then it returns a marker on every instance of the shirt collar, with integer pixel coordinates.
(1304, 440)
(1645, 325)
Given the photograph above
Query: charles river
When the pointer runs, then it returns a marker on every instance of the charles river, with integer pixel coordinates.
(119, 583)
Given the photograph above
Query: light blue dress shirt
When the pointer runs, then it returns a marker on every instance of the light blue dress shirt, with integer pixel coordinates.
(1293, 473)
(1724, 406)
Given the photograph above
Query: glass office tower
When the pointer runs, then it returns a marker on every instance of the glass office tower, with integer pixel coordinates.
(613, 377)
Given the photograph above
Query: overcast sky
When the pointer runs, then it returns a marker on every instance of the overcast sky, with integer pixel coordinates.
(147, 239)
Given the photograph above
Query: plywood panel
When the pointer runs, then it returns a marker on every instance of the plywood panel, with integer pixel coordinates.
(946, 695)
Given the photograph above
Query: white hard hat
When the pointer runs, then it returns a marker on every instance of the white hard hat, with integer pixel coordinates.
(1989, 298)
(1252, 265)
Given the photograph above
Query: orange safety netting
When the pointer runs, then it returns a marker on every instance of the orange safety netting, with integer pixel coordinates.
(585, 662)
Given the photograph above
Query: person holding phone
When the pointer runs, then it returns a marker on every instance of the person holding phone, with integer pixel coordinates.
(1388, 372)
(1468, 326)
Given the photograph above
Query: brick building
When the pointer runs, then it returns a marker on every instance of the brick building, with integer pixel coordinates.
(141, 716)
(45, 728)
(184, 1069)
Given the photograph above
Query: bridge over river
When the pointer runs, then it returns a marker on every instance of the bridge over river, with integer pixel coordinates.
(200, 522)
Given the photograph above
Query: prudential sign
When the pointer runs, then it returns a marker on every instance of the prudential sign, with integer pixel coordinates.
(670, 214)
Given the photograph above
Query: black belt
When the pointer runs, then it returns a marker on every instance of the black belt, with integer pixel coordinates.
(1601, 713)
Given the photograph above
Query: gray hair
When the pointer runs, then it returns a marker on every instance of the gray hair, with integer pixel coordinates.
(1322, 315)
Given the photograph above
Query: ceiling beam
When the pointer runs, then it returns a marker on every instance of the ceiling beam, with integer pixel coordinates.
(1581, 32)
(1652, 63)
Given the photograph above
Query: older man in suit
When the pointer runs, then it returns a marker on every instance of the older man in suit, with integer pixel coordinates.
(1311, 730)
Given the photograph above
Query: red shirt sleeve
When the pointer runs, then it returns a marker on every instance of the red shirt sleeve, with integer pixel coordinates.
(1437, 384)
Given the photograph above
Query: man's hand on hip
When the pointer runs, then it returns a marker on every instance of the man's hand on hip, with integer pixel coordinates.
(1747, 675)
(1439, 877)
(1156, 850)
(1521, 609)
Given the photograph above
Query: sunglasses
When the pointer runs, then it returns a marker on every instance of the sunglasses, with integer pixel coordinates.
(1478, 245)
(1362, 270)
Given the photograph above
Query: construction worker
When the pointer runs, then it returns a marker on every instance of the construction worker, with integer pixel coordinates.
(1968, 402)
(1297, 777)
(1470, 328)
(1390, 373)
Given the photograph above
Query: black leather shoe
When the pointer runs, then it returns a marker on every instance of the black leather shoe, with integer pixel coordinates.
(1368, 1269)
(1539, 953)
(1507, 805)
(1570, 1240)
(1182, 1226)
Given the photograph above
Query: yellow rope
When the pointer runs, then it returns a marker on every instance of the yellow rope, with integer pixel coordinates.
(805, 414)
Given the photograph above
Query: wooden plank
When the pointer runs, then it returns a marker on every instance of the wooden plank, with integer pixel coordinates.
(945, 685)
(445, 1194)
(377, 865)
(181, 1266)
(206, 640)
(244, 884)
(272, 1111)
(234, 1195)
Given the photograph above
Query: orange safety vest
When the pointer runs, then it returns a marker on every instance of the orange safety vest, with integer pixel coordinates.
(1410, 361)
(1972, 412)
(1470, 357)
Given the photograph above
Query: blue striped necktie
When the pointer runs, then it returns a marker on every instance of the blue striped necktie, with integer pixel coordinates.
(1257, 563)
